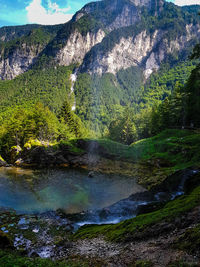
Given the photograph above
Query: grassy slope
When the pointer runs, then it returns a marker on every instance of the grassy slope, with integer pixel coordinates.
(181, 149)
(131, 229)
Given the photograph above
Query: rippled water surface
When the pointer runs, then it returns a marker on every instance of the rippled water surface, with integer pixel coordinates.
(29, 191)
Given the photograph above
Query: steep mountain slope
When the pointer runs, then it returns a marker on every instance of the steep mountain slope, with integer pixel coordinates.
(124, 33)
(112, 46)
(9, 33)
(106, 36)
(20, 46)
(156, 38)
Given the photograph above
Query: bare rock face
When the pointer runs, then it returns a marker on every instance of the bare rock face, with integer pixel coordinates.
(77, 46)
(18, 61)
(141, 2)
(144, 50)
(128, 16)
(129, 52)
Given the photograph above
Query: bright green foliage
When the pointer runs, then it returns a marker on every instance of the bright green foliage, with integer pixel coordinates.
(37, 125)
(135, 126)
(25, 124)
(123, 130)
(163, 83)
(49, 86)
(160, 105)
(169, 145)
(101, 99)
(73, 122)
(181, 109)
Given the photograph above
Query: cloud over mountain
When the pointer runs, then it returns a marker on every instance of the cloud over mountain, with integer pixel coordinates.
(36, 13)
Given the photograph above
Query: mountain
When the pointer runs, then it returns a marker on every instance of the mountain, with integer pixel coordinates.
(20, 46)
(112, 47)
(104, 37)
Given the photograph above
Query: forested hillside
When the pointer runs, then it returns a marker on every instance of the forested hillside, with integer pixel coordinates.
(171, 100)
(49, 86)
(127, 103)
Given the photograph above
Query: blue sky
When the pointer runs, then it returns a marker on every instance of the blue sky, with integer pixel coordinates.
(19, 12)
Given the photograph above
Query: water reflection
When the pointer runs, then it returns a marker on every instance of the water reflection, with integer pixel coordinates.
(32, 191)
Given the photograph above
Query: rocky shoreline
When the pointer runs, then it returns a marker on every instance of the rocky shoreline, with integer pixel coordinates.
(48, 235)
(53, 234)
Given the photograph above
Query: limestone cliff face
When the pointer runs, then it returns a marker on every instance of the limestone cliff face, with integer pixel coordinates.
(141, 2)
(18, 61)
(77, 46)
(128, 16)
(145, 50)
(128, 52)
(166, 47)
(103, 37)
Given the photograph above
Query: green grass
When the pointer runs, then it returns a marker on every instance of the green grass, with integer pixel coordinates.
(136, 227)
(72, 146)
(14, 259)
(178, 147)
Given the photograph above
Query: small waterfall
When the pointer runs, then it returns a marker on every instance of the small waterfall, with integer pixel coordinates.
(73, 78)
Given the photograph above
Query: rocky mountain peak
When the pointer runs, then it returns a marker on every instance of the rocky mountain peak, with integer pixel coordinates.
(106, 36)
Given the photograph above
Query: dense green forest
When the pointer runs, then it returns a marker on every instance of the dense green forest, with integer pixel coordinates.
(36, 109)
(34, 124)
(120, 107)
(9, 33)
(50, 86)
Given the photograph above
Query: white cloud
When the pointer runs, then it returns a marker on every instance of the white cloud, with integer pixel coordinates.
(36, 13)
(186, 2)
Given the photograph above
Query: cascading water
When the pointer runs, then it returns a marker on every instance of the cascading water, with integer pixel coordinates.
(73, 78)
